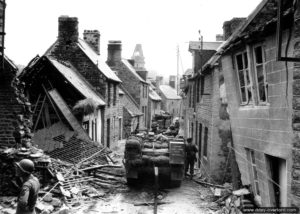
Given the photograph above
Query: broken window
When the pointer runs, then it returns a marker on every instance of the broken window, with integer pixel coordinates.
(205, 141)
(253, 170)
(260, 74)
(245, 82)
(86, 126)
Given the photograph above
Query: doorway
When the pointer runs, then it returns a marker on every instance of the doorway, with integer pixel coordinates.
(199, 144)
(277, 180)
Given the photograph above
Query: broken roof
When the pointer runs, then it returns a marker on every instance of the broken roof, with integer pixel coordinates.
(132, 70)
(262, 16)
(169, 92)
(153, 95)
(77, 81)
(96, 59)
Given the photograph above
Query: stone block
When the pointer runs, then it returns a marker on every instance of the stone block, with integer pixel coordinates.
(295, 188)
(296, 140)
(296, 157)
(296, 102)
(296, 174)
(296, 87)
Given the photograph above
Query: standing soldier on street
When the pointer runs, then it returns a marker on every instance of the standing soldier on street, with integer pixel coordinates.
(190, 154)
(30, 188)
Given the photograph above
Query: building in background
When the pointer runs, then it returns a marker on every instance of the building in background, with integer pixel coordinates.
(170, 101)
(135, 82)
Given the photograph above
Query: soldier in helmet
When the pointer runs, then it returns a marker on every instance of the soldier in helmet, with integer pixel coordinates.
(30, 188)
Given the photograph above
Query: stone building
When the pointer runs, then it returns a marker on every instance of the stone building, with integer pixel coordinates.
(131, 113)
(134, 81)
(201, 115)
(170, 101)
(9, 105)
(262, 87)
(154, 103)
(84, 55)
(62, 126)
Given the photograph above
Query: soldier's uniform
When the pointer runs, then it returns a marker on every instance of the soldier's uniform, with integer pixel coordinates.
(190, 150)
(28, 196)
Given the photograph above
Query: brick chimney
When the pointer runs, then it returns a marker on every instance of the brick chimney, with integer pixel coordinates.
(92, 37)
(67, 29)
(172, 81)
(114, 51)
(143, 73)
(219, 37)
(230, 26)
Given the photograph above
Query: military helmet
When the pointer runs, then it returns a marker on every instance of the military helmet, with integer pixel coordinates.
(26, 166)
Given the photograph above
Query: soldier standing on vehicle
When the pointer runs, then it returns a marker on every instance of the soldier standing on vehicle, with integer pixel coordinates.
(190, 154)
(30, 188)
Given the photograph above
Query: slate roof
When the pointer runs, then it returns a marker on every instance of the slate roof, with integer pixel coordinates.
(77, 81)
(153, 95)
(97, 60)
(132, 70)
(169, 92)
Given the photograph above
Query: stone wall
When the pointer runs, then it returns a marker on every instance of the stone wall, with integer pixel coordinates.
(295, 185)
(10, 108)
(264, 129)
(206, 115)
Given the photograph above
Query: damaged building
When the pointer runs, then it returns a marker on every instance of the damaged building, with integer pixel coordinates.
(81, 60)
(133, 81)
(260, 63)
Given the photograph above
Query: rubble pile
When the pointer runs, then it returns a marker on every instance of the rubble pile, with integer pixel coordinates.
(64, 185)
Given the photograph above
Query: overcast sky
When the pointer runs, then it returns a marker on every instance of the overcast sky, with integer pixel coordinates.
(159, 25)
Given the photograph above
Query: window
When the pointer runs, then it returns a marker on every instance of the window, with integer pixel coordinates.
(205, 141)
(190, 96)
(86, 126)
(251, 156)
(198, 90)
(260, 74)
(108, 94)
(115, 95)
(245, 82)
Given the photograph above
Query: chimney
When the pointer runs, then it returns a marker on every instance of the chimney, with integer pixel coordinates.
(92, 37)
(67, 29)
(114, 52)
(159, 81)
(219, 37)
(172, 81)
(229, 27)
(142, 73)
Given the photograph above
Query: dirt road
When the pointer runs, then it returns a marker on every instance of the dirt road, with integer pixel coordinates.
(190, 198)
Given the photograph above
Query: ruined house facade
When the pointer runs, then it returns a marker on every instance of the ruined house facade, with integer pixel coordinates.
(9, 105)
(132, 80)
(263, 101)
(154, 104)
(84, 55)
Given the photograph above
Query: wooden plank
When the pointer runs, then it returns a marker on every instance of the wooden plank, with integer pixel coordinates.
(63, 107)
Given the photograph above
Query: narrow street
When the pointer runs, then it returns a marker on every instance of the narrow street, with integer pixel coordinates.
(190, 198)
